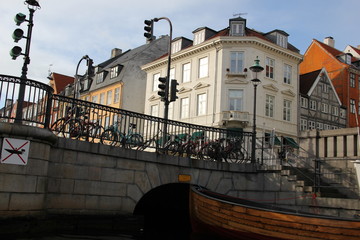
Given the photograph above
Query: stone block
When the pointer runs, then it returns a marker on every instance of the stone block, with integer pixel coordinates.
(272, 182)
(17, 183)
(26, 201)
(4, 201)
(134, 192)
(94, 173)
(130, 164)
(117, 175)
(53, 185)
(224, 186)
(214, 180)
(65, 202)
(99, 188)
(204, 176)
(153, 174)
(67, 185)
(41, 185)
(37, 167)
(142, 181)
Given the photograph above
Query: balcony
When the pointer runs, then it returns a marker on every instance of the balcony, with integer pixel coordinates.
(235, 116)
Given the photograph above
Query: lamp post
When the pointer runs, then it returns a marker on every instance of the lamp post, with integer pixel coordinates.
(16, 51)
(256, 68)
(89, 63)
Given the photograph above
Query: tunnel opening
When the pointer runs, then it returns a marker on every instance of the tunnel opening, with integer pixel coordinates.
(165, 210)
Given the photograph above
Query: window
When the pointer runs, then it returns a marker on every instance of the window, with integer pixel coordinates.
(236, 100)
(269, 106)
(154, 111)
(186, 73)
(155, 82)
(324, 108)
(281, 40)
(203, 67)
(176, 46)
(270, 64)
(352, 106)
(287, 110)
(94, 99)
(184, 110)
(303, 124)
(171, 111)
(102, 98)
(109, 97)
(237, 28)
(201, 104)
(352, 80)
(114, 71)
(313, 105)
(287, 73)
(117, 95)
(236, 62)
(320, 126)
(304, 102)
(100, 77)
(311, 125)
(172, 73)
(342, 113)
(199, 37)
(335, 111)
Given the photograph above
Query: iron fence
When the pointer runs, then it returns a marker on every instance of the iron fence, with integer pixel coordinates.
(36, 101)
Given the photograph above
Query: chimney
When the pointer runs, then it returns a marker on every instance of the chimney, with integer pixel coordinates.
(115, 52)
(330, 41)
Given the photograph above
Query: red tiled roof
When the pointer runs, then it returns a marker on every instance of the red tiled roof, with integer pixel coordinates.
(61, 81)
(329, 49)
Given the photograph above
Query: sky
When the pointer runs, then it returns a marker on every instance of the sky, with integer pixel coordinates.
(66, 30)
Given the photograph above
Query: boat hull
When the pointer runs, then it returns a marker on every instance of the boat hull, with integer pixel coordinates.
(233, 218)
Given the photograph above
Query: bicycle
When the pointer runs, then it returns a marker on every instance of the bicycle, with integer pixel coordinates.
(113, 136)
(156, 142)
(58, 127)
(186, 145)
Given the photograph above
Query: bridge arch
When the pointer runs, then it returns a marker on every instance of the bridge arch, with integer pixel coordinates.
(165, 210)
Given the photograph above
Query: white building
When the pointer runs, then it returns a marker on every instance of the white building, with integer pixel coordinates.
(215, 87)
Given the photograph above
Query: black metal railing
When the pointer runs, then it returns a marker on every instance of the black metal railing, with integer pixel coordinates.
(88, 121)
(36, 101)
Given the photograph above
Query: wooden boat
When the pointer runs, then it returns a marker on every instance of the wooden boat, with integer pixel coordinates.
(234, 218)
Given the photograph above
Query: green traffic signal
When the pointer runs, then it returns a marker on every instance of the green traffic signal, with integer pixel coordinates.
(19, 18)
(15, 52)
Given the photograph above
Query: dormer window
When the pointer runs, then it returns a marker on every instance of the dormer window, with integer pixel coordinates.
(176, 46)
(281, 40)
(100, 77)
(114, 72)
(237, 26)
(348, 58)
(199, 37)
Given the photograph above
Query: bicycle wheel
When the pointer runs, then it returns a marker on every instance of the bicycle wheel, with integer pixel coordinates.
(172, 148)
(58, 127)
(95, 132)
(73, 128)
(109, 137)
(135, 140)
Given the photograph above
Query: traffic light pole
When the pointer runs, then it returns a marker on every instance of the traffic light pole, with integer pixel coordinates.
(19, 109)
(166, 99)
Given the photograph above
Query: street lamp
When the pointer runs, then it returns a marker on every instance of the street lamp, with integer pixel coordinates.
(256, 68)
(16, 51)
(90, 73)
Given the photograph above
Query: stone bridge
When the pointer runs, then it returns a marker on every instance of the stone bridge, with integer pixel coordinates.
(71, 178)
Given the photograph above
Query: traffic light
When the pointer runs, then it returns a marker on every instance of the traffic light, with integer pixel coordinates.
(173, 90)
(15, 52)
(90, 69)
(149, 29)
(19, 18)
(18, 34)
(162, 88)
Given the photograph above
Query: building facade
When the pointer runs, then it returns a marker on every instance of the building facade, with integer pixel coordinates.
(342, 68)
(215, 87)
(320, 106)
(119, 82)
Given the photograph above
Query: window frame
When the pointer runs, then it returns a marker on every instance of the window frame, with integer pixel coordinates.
(184, 108)
(201, 104)
(269, 105)
(238, 66)
(235, 100)
(270, 68)
(186, 72)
